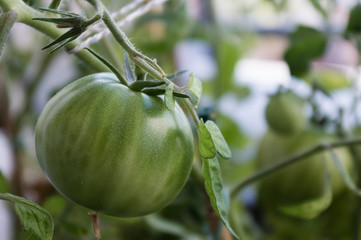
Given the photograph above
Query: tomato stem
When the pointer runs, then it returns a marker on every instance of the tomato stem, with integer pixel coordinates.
(293, 159)
(6, 198)
(7, 20)
(95, 224)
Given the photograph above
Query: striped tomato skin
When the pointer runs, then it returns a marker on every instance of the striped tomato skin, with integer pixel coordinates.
(113, 150)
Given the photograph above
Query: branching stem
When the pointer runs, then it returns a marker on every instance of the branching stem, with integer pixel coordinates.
(296, 158)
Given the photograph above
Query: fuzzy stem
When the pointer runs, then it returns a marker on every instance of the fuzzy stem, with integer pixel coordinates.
(7, 20)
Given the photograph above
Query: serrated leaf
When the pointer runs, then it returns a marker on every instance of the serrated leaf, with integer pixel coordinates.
(218, 140)
(128, 68)
(175, 75)
(169, 98)
(195, 87)
(139, 85)
(206, 144)
(110, 66)
(32, 216)
(312, 208)
(214, 188)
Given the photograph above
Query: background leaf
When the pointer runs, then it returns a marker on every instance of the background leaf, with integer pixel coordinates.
(314, 207)
(32, 216)
(306, 44)
(214, 188)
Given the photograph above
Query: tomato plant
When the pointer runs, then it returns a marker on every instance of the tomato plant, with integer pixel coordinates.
(305, 180)
(114, 150)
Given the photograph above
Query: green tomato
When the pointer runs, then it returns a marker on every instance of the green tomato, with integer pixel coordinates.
(113, 150)
(303, 181)
(285, 113)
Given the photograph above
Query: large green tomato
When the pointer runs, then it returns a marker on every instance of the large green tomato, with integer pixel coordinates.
(303, 181)
(113, 150)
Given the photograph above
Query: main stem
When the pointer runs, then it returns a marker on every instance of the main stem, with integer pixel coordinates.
(296, 158)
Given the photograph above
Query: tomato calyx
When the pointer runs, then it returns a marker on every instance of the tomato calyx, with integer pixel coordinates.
(77, 24)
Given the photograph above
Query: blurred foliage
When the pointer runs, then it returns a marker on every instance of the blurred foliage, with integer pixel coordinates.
(306, 44)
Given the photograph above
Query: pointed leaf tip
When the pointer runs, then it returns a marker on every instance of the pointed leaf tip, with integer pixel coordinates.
(214, 188)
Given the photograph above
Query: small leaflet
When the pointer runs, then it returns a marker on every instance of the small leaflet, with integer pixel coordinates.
(218, 140)
(195, 87)
(206, 145)
(175, 75)
(140, 85)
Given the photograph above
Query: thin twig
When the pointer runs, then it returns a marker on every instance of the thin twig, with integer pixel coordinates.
(296, 158)
(95, 224)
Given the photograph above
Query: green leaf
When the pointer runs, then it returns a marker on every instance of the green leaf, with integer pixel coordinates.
(140, 85)
(7, 21)
(110, 66)
(306, 44)
(161, 91)
(128, 68)
(154, 91)
(354, 21)
(4, 187)
(180, 95)
(195, 87)
(312, 208)
(175, 75)
(206, 144)
(218, 140)
(169, 98)
(214, 188)
(32, 216)
(316, 4)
